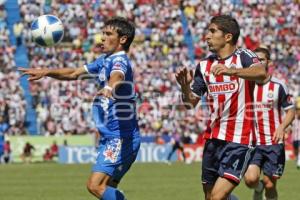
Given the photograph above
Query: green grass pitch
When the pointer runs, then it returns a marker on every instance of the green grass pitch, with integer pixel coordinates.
(155, 181)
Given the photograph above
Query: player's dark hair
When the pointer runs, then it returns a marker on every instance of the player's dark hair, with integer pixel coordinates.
(227, 24)
(123, 28)
(265, 51)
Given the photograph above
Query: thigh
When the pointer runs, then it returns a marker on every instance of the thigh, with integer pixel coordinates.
(98, 178)
(234, 161)
(115, 156)
(210, 161)
(274, 164)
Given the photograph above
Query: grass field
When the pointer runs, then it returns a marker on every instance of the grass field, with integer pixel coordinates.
(143, 182)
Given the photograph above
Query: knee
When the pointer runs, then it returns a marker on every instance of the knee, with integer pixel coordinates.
(251, 180)
(269, 185)
(95, 189)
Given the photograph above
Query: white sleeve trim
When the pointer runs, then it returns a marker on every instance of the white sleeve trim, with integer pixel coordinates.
(86, 69)
(289, 107)
(117, 70)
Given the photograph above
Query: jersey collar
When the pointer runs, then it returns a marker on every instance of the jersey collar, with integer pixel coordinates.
(116, 54)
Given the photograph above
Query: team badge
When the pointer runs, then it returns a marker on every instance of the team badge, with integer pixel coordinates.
(270, 95)
(112, 150)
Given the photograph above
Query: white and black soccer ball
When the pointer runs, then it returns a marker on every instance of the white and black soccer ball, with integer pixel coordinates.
(47, 30)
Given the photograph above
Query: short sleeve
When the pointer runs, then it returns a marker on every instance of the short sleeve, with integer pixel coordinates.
(248, 58)
(93, 68)
(119, 64)
(285, 99)
(198, 85)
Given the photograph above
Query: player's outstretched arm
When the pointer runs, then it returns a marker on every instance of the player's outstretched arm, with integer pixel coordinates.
(288, 119)
(60, 74)
(256, 72)
(184, 78)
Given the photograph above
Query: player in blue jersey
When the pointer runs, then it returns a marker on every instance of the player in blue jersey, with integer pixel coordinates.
(114, 109)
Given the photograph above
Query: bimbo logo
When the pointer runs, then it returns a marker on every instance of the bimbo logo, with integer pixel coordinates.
(223, 87)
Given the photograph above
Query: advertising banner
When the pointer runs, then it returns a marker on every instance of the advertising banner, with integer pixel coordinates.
(41, 143)
(148, 153)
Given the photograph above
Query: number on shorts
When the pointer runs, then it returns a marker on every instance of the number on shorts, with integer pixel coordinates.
(235, 164)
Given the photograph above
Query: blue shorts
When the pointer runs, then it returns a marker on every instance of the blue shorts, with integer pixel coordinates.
(224, 159)
(116, 155)
(270, 158)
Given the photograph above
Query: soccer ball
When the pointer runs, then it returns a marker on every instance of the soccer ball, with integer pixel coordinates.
(47, 30)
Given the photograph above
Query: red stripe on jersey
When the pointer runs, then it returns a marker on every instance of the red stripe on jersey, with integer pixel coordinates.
(249, 113)
(221, 100)
(209, 99)
(271, 114)
(232, 110)
(260, 119)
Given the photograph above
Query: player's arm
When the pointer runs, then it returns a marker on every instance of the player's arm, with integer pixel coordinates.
(60, 74)
(286, 102)
(252, 69)
(190, 94)
(255, 72)
(282, 128)
(116, 77)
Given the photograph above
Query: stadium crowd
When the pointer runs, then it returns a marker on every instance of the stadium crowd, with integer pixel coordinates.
(159, 48)
(12, 103)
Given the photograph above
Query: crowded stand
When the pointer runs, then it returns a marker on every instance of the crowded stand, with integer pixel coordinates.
(159, 48)
(12, 103)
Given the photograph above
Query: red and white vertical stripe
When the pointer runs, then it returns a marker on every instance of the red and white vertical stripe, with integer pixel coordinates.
(267, 112)
(231, 118)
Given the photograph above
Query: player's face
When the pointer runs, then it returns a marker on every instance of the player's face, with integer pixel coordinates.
(110, 40)
(215, 38)
(261, 56)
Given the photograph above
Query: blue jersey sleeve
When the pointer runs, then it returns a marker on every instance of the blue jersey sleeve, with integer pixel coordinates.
(285, 99)
(119, 63)
(93, 68)
(198, 86)
(248, 58)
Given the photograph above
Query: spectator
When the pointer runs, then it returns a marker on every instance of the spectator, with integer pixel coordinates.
(48, 156)
(27, 155)
(7, 152)
(54, 149)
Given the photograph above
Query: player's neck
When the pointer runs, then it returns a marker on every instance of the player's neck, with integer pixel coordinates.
(226, 51)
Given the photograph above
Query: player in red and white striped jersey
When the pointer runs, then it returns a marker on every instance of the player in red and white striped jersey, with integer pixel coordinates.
(225, 76)
(296, 137)
(271, 101)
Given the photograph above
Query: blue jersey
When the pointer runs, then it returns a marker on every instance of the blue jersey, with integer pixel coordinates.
(115, 117)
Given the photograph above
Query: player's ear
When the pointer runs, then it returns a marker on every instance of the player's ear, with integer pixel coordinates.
(228, 37)
(123, 39)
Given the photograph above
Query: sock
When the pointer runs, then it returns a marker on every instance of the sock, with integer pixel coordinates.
(275, 198)
(259, 187)
(298, 160)
(112, 194)
(232, 197)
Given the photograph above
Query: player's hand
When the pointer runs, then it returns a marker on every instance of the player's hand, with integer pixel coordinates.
(105, 92)
(279, 134)
(34, 74)
(221, 69)
(184, 77)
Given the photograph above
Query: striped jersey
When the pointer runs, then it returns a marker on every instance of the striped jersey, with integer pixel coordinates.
(296, 129)
(270, 101)
(229, 97)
